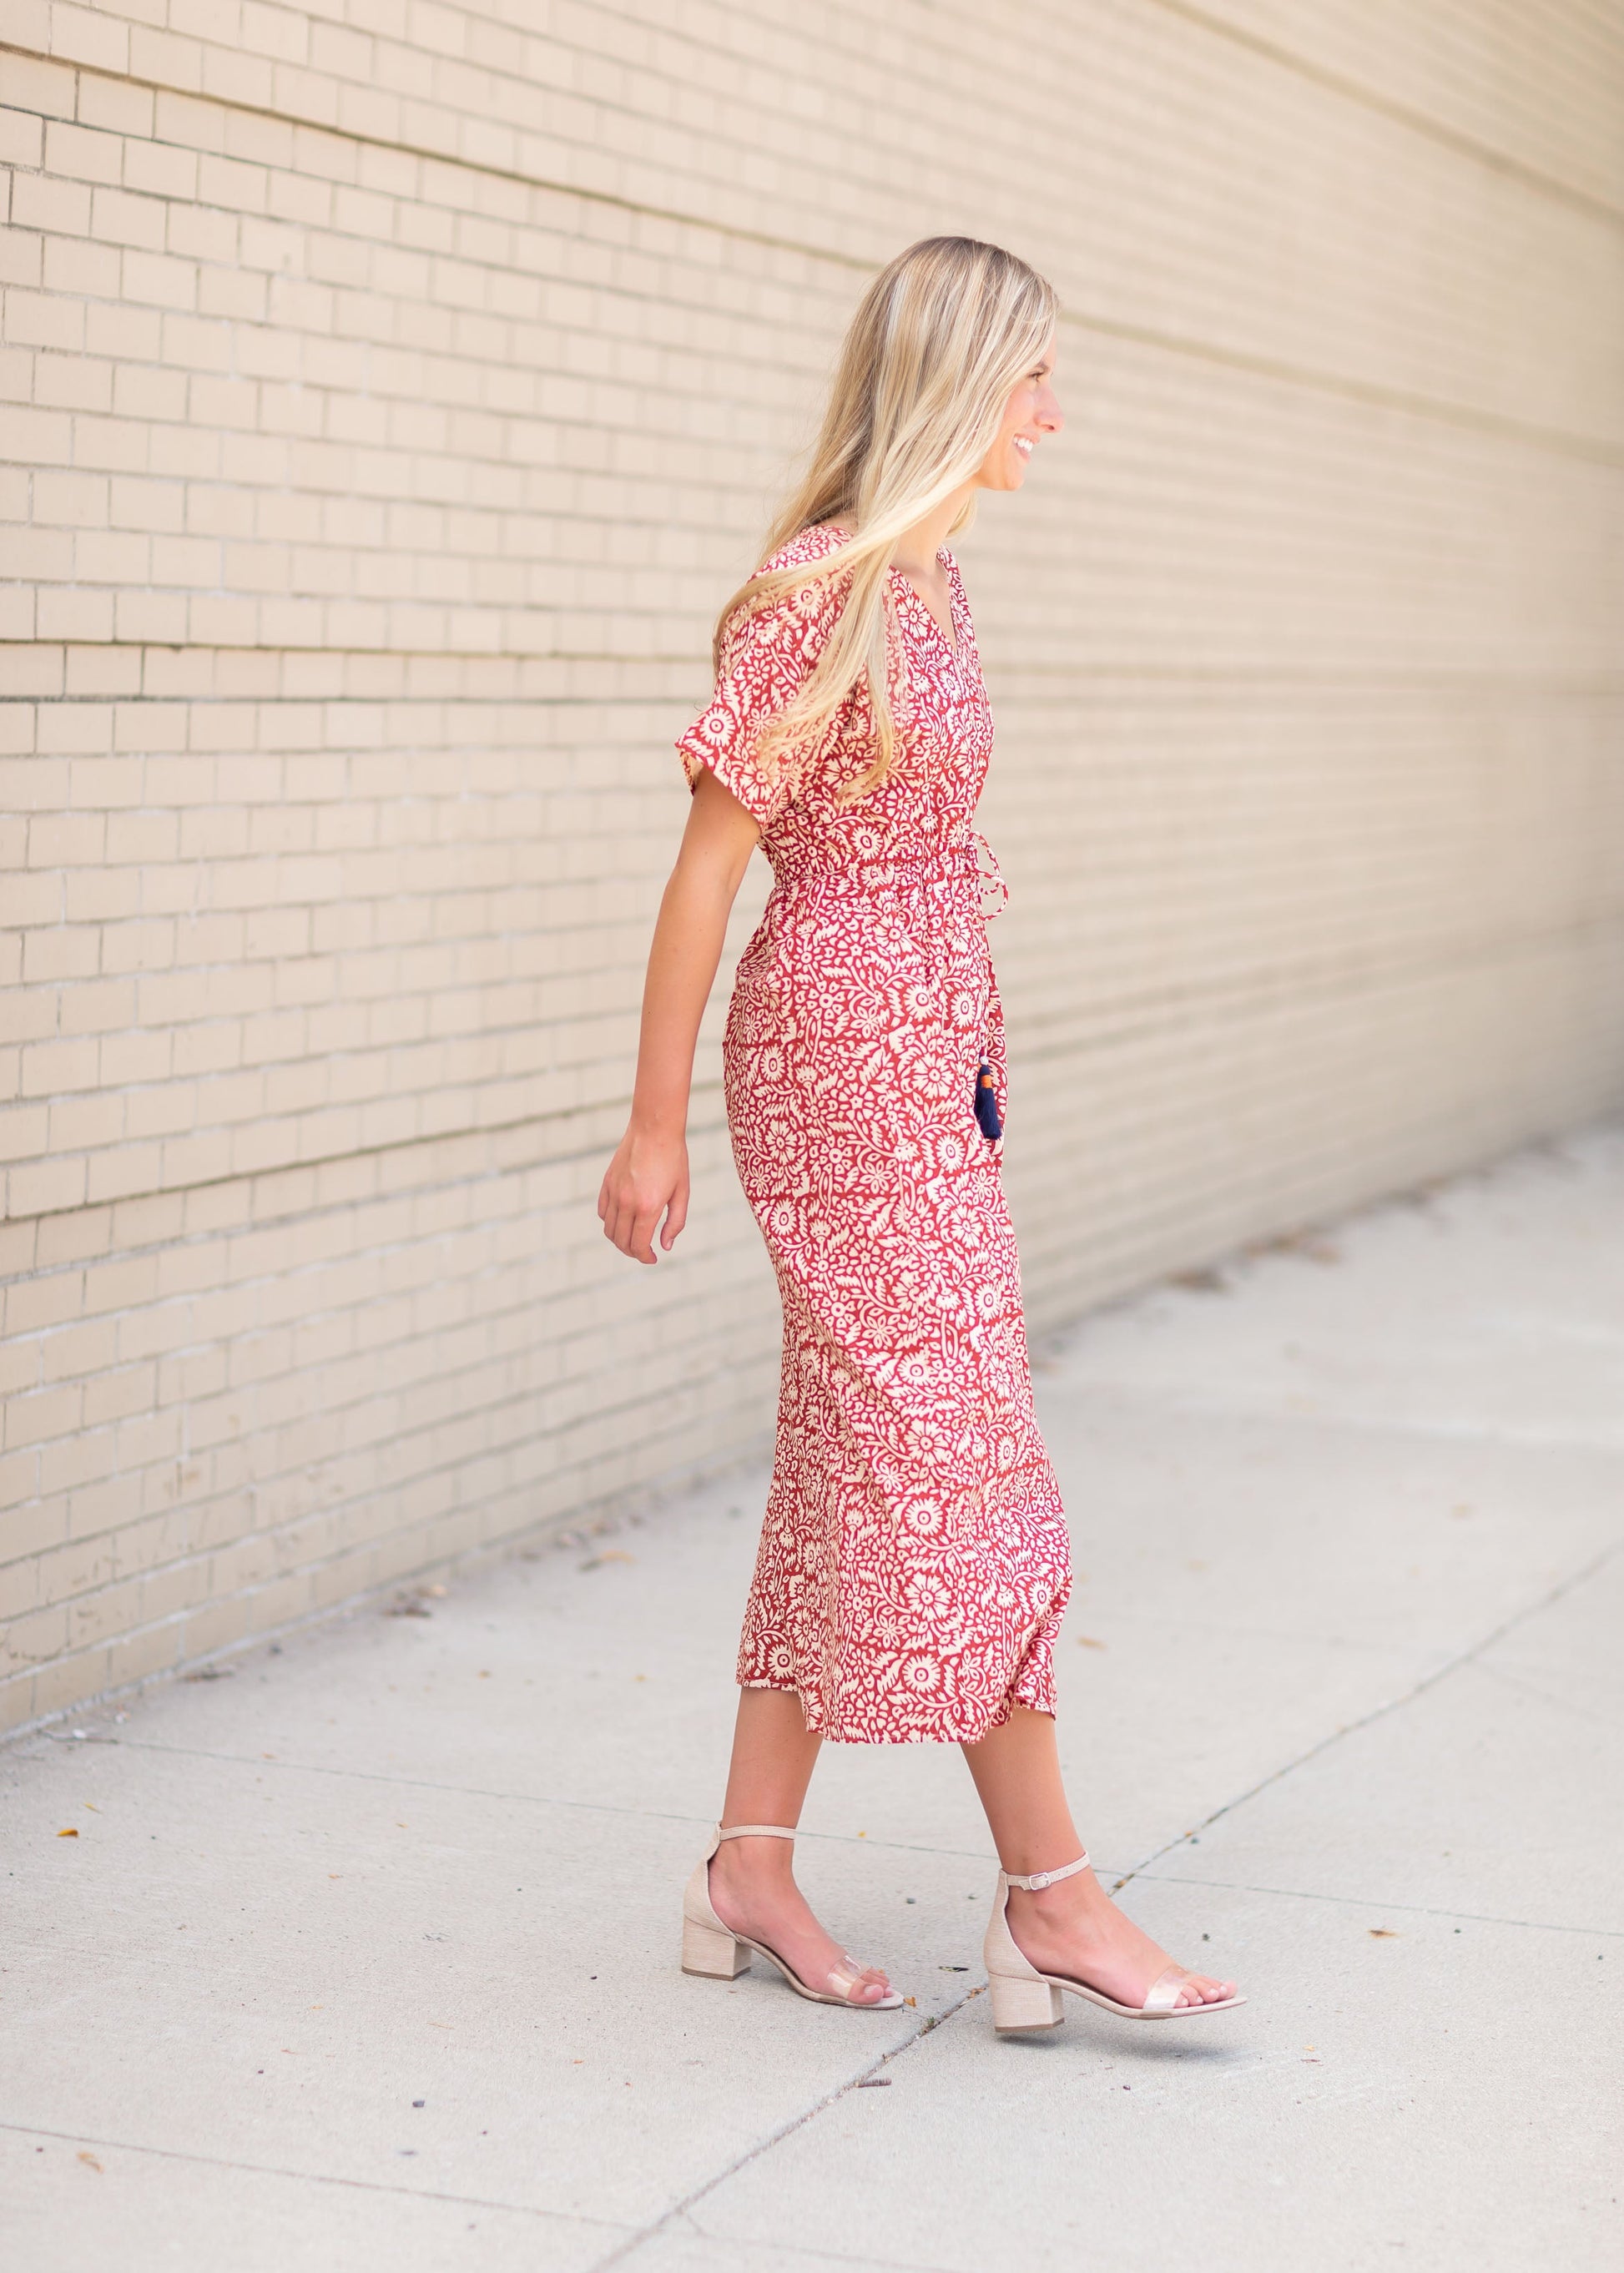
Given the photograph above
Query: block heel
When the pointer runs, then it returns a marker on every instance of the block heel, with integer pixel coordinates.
(712, 1952)
(1024, 2003)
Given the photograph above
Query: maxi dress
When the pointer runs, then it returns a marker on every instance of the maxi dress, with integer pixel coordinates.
(913, 1562)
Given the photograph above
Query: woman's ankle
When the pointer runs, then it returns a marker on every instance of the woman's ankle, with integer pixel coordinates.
(1078, 1908)
(755, 1862)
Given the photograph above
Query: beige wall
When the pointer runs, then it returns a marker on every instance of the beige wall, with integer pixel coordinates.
(390, 392)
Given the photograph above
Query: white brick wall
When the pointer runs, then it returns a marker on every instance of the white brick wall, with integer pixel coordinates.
(390, 391)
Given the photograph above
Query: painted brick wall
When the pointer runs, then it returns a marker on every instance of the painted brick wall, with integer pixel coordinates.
(391, 390)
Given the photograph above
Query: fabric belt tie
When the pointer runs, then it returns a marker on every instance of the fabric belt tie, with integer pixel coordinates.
(912, 869)
(990, 873)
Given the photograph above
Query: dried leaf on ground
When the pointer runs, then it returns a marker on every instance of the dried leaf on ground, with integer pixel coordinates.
(1313, 1244)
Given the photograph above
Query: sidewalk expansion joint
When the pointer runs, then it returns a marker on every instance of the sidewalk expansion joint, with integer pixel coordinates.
(983, 1859)
(1383, 1904)
(787, 2129)
(1463, 1658)
(310, 2178)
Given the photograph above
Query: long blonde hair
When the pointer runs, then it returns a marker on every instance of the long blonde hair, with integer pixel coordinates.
(941, 339)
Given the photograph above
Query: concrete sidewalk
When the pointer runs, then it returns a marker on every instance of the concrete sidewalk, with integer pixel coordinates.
(365, 1955)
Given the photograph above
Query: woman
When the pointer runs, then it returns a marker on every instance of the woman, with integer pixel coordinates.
(913, 1563)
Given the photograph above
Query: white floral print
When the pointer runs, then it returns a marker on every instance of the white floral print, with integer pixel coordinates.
(913, 1562)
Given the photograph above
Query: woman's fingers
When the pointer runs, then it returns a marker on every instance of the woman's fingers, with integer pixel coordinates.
(634, 1195)
(641, 1247)
(628, 1224)
(676, 1215)
(623, 1226)
(619, 1220)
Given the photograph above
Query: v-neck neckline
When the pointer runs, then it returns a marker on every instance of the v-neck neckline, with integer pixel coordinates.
(954, 645)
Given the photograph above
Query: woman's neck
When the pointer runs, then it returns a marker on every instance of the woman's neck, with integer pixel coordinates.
(915, 551)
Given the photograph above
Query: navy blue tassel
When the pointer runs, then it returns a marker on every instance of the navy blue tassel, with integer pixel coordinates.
(987, 1104)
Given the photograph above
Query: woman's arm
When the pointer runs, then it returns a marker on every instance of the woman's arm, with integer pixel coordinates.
(649, 1172)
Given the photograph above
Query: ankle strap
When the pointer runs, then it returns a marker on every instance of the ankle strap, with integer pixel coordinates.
(1035, 1883)
(754, 1831)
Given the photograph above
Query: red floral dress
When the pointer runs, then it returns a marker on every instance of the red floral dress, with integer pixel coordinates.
(914, 1561)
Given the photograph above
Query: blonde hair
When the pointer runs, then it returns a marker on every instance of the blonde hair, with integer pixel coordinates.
(941, 339)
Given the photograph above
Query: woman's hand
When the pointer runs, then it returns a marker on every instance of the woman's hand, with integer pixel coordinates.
(648, 1176)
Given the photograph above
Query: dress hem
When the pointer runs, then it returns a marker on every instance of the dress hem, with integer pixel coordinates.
(816, 1725)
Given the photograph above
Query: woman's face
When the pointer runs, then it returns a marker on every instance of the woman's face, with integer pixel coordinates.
(1032, 412)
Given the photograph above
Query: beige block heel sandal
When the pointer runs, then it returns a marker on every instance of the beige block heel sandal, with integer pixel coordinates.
(715, 1953)
(1023, 1997)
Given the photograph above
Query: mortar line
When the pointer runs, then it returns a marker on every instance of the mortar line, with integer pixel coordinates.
(1376, 394)
(1131, 674)
(1466, 416)
(1359, 93)
(1381, 105)
(424, 154)
(1337, 981)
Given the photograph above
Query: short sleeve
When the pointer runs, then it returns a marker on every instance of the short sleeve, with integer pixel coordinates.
(767, 658)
